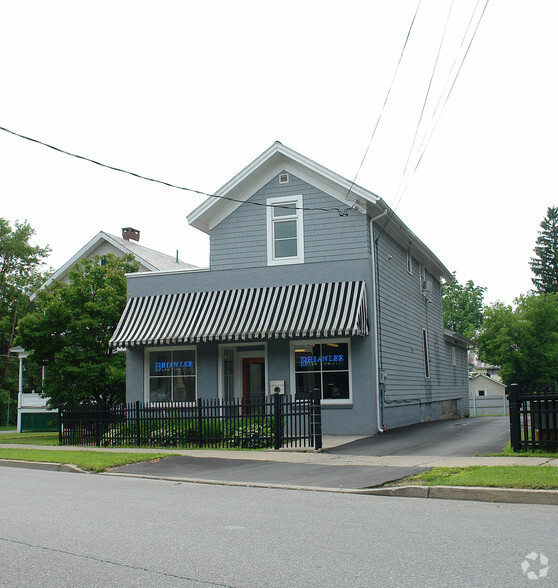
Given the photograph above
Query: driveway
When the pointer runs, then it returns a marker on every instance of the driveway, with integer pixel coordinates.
(452, 438)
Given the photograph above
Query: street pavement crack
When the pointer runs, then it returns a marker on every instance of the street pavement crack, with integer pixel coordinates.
(115, 563)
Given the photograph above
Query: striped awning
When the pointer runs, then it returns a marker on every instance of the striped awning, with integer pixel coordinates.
(302, 310)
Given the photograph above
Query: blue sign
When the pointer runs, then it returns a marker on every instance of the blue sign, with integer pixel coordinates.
(166, 365)
(309, 360)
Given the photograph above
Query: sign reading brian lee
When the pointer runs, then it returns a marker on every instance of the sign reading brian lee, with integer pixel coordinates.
(310, 360)
(159, 366)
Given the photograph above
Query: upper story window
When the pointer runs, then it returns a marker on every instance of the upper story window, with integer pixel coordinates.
(285, 242)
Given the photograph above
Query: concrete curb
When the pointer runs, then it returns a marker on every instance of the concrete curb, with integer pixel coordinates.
(475, 493)
(478, 494)
(41, 465)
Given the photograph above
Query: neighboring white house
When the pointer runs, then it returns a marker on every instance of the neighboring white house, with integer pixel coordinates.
(32, 413)
(487, 395)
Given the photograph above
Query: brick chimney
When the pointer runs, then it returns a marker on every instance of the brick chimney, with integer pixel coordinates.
(129, 233)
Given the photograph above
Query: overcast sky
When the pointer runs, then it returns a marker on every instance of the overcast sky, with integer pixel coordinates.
(191, 92)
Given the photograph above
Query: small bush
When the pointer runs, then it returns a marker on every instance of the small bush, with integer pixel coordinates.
(252, 436)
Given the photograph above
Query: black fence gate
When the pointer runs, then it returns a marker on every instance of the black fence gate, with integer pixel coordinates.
(533, 417)
(275, 422)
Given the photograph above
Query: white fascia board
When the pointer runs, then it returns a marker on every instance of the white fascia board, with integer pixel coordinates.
(85, 252)
(401, 233)
(254, 176)
(126, 251)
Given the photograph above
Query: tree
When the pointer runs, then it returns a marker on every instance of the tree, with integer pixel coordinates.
(462, 307)
(20, 274)
(70, 330)
(524, 340)
(545, 264)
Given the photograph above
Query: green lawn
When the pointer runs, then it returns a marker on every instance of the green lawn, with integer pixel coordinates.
(538, 477)
(94, 461)
(509, 452)
(39, 438)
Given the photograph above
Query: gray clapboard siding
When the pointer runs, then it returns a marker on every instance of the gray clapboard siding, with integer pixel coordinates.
(404, 312)
(240, 240)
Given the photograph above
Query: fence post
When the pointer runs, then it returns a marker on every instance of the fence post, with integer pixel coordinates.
(277, 421)
(200, 423)
(138, 423)
(97, 426)
(317, 418)
(60, 416)
(515, 424)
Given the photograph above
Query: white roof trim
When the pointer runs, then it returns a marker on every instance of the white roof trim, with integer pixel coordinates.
(84, 252)
(272, 161)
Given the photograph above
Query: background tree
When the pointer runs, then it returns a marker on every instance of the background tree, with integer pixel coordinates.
(70, 330)
(545, 264)
(524, 340)
(462, 307)
(20, 275)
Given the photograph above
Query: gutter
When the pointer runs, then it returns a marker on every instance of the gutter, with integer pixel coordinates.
(379, 408)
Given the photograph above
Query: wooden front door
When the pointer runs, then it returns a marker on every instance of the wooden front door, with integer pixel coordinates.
(253, 380)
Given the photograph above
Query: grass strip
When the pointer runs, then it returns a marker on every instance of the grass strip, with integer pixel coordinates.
(509, 452)
(39, 438)
(94, 461)
(534, 477)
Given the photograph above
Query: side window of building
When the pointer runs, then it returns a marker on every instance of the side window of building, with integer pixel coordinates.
(323, 365)
(426, 353)
(285, 241)
(171, 375)
(409, 261)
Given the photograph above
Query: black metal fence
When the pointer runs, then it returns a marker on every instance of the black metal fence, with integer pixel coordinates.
(533, 417)
(278, 421)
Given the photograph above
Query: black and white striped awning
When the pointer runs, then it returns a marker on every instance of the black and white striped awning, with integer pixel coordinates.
(303, 310)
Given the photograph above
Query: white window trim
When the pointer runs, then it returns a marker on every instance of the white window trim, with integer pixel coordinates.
(409, 261)
(146, 376)
(270, 202)
(327, 402)
(426, 354)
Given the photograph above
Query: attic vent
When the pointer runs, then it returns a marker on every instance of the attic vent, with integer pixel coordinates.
(283, 178)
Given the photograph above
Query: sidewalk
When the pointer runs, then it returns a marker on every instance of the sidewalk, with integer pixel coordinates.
(305, 469)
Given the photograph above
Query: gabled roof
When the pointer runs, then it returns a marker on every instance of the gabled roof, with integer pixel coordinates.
(279, 158)
(148, 258)
(488, 378)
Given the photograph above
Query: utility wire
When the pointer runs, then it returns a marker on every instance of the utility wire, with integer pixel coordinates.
(437, 111)
(343, 212)
(386, 99)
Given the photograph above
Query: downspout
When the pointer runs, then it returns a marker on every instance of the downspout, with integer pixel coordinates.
(379, 411)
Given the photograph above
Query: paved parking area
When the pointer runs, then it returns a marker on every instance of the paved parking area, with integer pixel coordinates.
(273, 473)
(452, 438)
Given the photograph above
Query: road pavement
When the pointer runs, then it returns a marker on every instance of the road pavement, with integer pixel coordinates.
(60, 529)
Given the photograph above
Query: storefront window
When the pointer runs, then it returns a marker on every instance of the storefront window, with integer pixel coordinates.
(172, 375)
(324, 366)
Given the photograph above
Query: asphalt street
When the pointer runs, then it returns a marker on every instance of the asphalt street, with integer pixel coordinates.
(61, 529)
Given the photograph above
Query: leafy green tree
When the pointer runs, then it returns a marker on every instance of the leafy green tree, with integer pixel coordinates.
(71, 328)
(20, 274)
(522, 340)
(545, 264)
(462, 307)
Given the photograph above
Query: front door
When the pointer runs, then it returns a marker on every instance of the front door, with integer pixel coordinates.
(253, 380)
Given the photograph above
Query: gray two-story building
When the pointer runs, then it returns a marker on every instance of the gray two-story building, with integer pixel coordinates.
(313, 283)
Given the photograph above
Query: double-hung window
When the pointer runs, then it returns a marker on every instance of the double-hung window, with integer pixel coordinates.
(171, 375)
(285, 242)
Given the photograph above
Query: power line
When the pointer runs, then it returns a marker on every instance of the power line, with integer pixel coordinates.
(437, 113)
(386, 98)
(341, 212)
